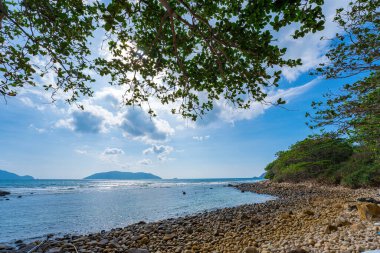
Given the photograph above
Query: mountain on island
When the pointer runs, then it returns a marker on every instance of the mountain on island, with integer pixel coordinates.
(119, 175)
(5, 175)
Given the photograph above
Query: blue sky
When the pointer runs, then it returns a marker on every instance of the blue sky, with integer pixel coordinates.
(57, 140)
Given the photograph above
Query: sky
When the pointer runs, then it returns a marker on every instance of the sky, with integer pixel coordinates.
(57, 140)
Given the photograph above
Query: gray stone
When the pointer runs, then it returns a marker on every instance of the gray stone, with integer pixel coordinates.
(54, 250)
(103, 242)
(134, 250)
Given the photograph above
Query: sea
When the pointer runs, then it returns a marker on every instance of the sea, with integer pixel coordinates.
(37, 208)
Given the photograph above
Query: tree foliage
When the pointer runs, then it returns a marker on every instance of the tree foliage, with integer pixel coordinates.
(353, 159)
(325, 159)
(309, 158)
(355, 112)
(356, 49)
(192, 52)
(42, 37)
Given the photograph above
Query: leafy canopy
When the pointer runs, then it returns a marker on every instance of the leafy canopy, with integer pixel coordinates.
(353, 160)
(191, 52)
(325, 159)
(309, 158)
(355, 112)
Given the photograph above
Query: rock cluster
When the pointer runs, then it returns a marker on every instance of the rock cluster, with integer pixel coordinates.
(4, 193)
(304, 218)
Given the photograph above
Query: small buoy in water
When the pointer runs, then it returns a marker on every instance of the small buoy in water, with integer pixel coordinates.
(183, 192)
(242, 191)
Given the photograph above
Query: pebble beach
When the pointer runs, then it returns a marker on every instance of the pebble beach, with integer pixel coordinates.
(303, 218)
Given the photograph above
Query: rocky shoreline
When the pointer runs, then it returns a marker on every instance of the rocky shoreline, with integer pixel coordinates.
(304, 218)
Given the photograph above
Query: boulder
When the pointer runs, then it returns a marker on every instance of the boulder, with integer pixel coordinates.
(368, 211)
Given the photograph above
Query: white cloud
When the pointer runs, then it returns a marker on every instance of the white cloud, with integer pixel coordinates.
(145, 162)
(113, 151)
(80, 151)
(230, 114)
(30, 103)
(137, 124)
(37, 129)
(161, 151)
(310, 49)
(201, 138)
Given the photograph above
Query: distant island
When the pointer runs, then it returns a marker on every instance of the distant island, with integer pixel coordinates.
(262, 176)
(5, 175)
(119, 175)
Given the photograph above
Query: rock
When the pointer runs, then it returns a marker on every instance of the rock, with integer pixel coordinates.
(169, 237)
(308, 212)
(18, 242)
(54, 250)
(351, 208)
(189, 230)
(134, 250)
(330, 228)
(368, 211)
(4, 193)
(103, 242)
(357, 226)
(368, 200)
(341, 222)
(251, 250)
(298, 250)
(144, 240)
(5, 247)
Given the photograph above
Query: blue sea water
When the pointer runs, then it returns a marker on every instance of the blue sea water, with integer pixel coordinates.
(84, 206)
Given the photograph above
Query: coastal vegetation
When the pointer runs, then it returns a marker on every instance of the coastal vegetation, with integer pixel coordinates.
(348, 153)
(172, 51)
(326, 159)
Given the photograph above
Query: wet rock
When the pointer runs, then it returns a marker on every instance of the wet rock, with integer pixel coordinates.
(4, 193)
(18, 242)
(5, 247)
